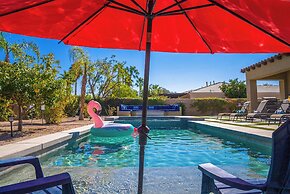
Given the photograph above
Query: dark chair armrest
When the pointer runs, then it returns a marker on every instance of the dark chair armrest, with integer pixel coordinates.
(222, 176)
(40, 184)
(24, 160)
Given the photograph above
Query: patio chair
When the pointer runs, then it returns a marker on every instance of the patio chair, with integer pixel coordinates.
(281, 114)
(60, 183)
(219, 181)
(261, 112)
(242, 112)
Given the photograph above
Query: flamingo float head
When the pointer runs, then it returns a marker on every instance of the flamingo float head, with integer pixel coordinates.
(96, 118)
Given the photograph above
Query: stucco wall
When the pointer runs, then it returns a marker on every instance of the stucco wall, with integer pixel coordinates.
(268, 94)
(207, 95)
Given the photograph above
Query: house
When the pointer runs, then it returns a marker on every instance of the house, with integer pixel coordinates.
(213, 91)
(273, 68)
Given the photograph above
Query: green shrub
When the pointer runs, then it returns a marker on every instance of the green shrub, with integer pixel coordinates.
(237, 103)
(72, 107)
(213, 106)
(86, 114)
(54, 114)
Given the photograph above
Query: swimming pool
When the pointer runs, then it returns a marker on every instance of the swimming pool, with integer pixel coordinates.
(171, 158)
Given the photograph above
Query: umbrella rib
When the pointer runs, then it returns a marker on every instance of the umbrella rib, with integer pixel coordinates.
(195, 28)
(143, 27)
(85, 21)
(126, 10)
(154, 3)
(181, 11)
(25, 8)
(126, 7)
(139, 6)
(142, 33)
(170, 6)
(249, 22)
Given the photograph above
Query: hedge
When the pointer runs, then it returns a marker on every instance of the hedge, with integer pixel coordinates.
(213, 106)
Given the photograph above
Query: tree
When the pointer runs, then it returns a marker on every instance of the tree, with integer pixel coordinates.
(15, 84)
(80, 65)
(19, 51)
(5, 46)
(234, 89)
(17, 78)
(139, 84)
(31, 85)
(156, 90)
(110, 78)
(50, 89)
(125, 91)
(74, 74)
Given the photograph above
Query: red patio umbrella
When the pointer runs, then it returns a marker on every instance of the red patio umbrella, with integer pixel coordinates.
(193, 26)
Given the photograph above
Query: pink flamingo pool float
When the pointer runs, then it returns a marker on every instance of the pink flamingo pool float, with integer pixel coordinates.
(101, 129)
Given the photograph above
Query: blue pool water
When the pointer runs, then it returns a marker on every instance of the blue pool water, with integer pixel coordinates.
(102, 165)
(175, 147)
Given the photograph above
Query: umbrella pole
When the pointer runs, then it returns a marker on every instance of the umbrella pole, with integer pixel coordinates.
(143, 129)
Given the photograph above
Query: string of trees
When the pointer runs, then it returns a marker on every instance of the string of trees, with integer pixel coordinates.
(29, 79)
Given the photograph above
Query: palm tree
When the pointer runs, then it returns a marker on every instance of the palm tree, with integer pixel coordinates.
(155, 90)
(75, 73)
(80, 64)
(139, 84)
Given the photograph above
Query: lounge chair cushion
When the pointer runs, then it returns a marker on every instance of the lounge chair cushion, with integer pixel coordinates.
(278, 116)
(279, 111)
(52, 190)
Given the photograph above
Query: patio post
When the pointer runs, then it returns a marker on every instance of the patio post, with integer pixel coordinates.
(143, 129)
(252, 93)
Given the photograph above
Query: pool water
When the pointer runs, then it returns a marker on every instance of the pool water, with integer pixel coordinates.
(110, 165)
(167, 148)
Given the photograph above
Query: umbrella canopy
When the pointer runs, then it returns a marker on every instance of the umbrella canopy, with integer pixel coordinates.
(193, 26)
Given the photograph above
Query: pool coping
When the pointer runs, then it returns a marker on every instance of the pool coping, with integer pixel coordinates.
(267, 134)
(39, 144)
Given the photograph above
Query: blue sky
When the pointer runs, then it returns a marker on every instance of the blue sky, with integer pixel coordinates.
(174, 71)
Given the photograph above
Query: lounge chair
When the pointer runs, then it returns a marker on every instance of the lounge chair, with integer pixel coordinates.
(242, 112)
(219, 181)
(60, 183)
(281, 114)
(261, 112)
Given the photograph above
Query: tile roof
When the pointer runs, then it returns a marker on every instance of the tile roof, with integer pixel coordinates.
(265, 62)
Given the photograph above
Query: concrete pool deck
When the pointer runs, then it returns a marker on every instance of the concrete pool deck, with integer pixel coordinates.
(33, 145)
(241, 129)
